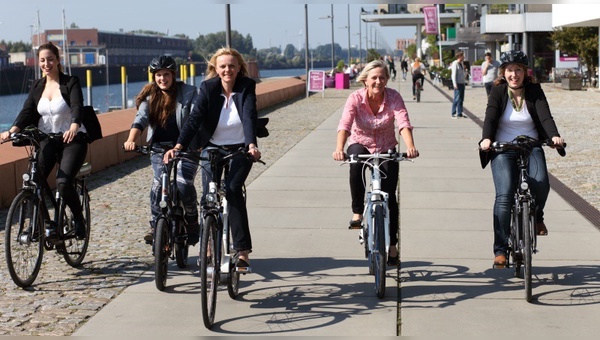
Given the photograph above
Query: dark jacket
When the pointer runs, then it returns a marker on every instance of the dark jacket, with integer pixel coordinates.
(207, 110)
(538, 108)
(70, 89)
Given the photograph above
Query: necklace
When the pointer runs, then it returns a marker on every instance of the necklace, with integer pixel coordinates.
(516, 105)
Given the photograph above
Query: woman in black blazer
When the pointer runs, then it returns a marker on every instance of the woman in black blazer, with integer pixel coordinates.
(516, 106)
(224, 114)
(54, 105)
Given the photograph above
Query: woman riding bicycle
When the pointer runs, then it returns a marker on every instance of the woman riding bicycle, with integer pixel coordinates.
(164, 106)
(516, 106)
(54, 105)
(367, 124)
(417, 70)
(225, 115)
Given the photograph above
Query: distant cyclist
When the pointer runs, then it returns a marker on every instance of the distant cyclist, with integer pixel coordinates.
(163, 107)
(418, 70)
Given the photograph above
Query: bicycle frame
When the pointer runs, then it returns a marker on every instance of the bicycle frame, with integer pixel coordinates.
(376, 197)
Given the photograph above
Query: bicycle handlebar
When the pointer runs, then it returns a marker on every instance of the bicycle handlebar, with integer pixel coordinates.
(31, 133)
(523, 142)
(145, 150)
(389, 156)
(227, 154)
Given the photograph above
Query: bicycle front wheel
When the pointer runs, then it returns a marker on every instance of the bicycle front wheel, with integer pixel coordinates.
(379, 253)
(161, 253)
(418, 92)
(209, 270)
(76, 249)
(527, 248)
(181, 246)
(23, 240)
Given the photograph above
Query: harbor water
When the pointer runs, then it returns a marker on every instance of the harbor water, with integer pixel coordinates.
(105, 97)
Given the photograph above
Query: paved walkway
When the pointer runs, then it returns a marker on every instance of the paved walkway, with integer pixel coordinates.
(311, 278)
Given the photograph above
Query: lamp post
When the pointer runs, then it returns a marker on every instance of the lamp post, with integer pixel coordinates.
(332, 38)
(228, 25)
(349, 51)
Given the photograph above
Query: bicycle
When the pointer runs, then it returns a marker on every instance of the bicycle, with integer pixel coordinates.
(171, 228)
(522, 243)
(218, 259)
(418, 89)
(37, 219)
(375, 234)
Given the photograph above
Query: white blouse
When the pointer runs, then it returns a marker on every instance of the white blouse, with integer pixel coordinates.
(515, 123)
(229, 130)
(56, 115)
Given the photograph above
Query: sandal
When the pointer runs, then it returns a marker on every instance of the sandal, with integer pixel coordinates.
(540, 229)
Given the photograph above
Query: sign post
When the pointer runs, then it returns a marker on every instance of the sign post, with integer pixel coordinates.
(316, 82)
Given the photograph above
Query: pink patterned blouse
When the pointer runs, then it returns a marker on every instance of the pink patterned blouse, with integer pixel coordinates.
(374, 131)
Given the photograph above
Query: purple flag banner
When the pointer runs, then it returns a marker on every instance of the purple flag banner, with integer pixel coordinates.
(431, 19)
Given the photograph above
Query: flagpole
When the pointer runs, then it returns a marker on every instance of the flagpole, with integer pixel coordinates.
(439, 34)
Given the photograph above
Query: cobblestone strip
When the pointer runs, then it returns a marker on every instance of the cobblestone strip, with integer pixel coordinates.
(63, 298)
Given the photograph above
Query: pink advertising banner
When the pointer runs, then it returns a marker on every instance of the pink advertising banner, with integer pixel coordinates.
(431, 19)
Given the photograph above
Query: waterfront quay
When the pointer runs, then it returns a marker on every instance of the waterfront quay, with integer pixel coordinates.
(310, 276)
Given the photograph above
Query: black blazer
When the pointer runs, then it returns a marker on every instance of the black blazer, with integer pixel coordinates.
(538, 108)
(70, 89)
(205, 115)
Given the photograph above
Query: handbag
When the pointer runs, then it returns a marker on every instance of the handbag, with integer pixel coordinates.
(91, 123)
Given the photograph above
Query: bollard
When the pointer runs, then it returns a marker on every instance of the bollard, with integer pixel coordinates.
(149, 76)
(184, 75)
(123, 88)
(88, 74)
(193, 74)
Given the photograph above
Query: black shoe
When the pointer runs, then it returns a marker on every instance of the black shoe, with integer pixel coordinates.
(393, 261)
(79, 225)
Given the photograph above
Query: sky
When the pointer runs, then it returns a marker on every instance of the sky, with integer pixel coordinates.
(270, 23)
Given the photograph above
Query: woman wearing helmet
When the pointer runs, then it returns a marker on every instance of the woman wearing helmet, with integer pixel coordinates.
(516, 106)
(164, 106)
(225, 115)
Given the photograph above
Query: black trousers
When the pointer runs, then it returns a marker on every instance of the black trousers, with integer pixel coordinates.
(389, 182)
(70, 158)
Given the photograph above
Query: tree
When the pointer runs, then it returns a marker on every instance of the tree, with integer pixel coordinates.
(372, 54)
(74, 25)
(580, 40)
(289, 51)
(411, 51)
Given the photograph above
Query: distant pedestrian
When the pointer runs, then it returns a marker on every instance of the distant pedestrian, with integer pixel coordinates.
(163, 107)
(392, 67)
(418, 70)
(404, 67)
(490, 72)
(458, 82)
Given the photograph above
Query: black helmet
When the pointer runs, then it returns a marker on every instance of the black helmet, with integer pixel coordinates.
(513, 56)
(161, 63)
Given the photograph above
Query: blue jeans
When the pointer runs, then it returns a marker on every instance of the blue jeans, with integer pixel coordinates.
(506, 174)
(459, 98)
(186, 172)
(239, 169)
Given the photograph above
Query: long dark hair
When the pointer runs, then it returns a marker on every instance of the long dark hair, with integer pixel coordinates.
(52, 48)
(161, 103)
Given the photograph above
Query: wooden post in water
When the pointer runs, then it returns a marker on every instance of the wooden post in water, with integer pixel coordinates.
(88, 74)
(123, 88)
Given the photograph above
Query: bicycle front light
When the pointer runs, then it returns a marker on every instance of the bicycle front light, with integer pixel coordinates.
(26, 177)
(524, 185)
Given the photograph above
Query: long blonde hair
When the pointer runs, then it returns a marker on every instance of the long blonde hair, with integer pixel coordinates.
(211, 70)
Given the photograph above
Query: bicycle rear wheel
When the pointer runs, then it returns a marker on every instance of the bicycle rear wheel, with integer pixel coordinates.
(161, 253)
(418, 91)
(527, 248)
(23, 240)
(209, 270)
(75, 250)
(379, 253)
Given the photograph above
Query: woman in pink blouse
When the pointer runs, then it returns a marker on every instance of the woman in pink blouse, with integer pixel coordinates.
(367, 124)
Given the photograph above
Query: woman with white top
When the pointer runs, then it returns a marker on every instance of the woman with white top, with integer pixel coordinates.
(54, 105)
(516, 106)
(225, 115)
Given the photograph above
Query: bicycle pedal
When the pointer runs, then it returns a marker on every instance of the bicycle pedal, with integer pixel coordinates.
(243, 270)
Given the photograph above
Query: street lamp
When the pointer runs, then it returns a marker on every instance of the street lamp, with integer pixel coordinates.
(332, 39)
